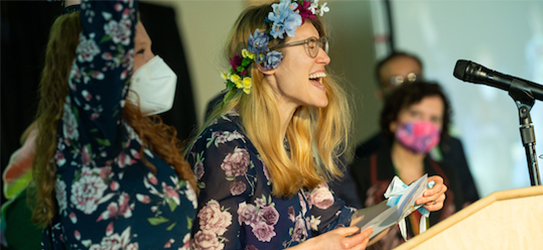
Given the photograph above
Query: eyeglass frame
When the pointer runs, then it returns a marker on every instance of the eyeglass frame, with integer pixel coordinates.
(398, 80)
(306, 41)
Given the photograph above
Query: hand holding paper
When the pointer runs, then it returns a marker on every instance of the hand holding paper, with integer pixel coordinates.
(401, 203)
(434, 197)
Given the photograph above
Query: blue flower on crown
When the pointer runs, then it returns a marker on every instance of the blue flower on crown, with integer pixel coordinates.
(284, 19)
(273, 59)
(258, 44)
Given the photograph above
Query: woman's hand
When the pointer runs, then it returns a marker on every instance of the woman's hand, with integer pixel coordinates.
(434, 197)
(340, 238)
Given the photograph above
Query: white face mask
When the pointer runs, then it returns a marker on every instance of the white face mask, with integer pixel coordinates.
(154, 83)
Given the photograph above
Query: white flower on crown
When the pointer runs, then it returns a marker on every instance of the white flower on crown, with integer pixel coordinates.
(323, 9)
(314, 6)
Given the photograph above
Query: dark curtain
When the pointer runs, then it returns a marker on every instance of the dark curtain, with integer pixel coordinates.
(161, 25)
(25, 27)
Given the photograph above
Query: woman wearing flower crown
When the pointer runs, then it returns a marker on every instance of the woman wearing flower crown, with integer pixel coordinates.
(266, 153)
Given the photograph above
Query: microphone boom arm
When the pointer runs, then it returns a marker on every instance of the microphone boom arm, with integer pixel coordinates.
(525, 100)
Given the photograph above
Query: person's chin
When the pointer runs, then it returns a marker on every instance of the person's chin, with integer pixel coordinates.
(322, 103)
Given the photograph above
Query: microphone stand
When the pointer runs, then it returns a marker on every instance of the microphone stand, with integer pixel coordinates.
(525, 100)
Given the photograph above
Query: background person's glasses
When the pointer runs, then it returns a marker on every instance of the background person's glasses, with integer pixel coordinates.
(312, 45)
(398, 80)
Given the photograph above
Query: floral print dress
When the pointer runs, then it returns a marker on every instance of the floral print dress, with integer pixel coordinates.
(236, 209)
(106, 197)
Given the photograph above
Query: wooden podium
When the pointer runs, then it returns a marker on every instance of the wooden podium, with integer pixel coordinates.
(511, 219)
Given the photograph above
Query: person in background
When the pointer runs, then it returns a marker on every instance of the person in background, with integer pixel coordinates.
(107, 173)
(414, 119)
(393, 71)
(265, 155)
(16, 212)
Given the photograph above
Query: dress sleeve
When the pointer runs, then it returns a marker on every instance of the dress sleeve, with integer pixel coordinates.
(327, 210)
(223, 164)
(100, 76)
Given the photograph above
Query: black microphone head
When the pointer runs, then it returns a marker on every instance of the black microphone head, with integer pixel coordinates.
(460, 69)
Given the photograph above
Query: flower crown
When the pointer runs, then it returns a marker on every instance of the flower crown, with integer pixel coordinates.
(286, 17)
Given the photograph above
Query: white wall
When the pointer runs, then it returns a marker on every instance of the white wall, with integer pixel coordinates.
(506, 36)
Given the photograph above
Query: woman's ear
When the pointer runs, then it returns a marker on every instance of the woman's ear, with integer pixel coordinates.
(267, 72)
(393, 126)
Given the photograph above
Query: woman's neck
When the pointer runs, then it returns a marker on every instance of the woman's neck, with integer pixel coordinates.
(285, 113)
(285, 107)
(408, 165)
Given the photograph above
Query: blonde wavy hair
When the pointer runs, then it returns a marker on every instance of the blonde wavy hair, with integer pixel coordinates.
(317, 136)
(60, 53)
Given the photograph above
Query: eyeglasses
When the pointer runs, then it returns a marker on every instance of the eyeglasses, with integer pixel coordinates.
(399, 80)
(312, 44)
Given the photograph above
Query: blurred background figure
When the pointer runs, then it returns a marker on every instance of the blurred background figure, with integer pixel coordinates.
(396, 70)
(414, 120)
(16, 212)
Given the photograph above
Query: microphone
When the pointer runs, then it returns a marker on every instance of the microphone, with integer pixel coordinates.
(469, 71)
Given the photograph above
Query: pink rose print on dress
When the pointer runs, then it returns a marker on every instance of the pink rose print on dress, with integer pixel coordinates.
(221, 138)
(300, 231)
(263, 232)
(213, 219)
(235, 135)
(204, 240)
(260, 202)
(247, 214)
(236, 163)
(262, 218)
(270, 215)
(237, 188)
(291, 214)
(88, 190)
(322, 198)
(199, 170)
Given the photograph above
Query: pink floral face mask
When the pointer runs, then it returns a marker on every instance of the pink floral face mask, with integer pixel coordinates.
(419, 137)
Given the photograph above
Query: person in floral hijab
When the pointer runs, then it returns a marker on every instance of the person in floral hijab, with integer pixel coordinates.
(106, 175)
(264, 156)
